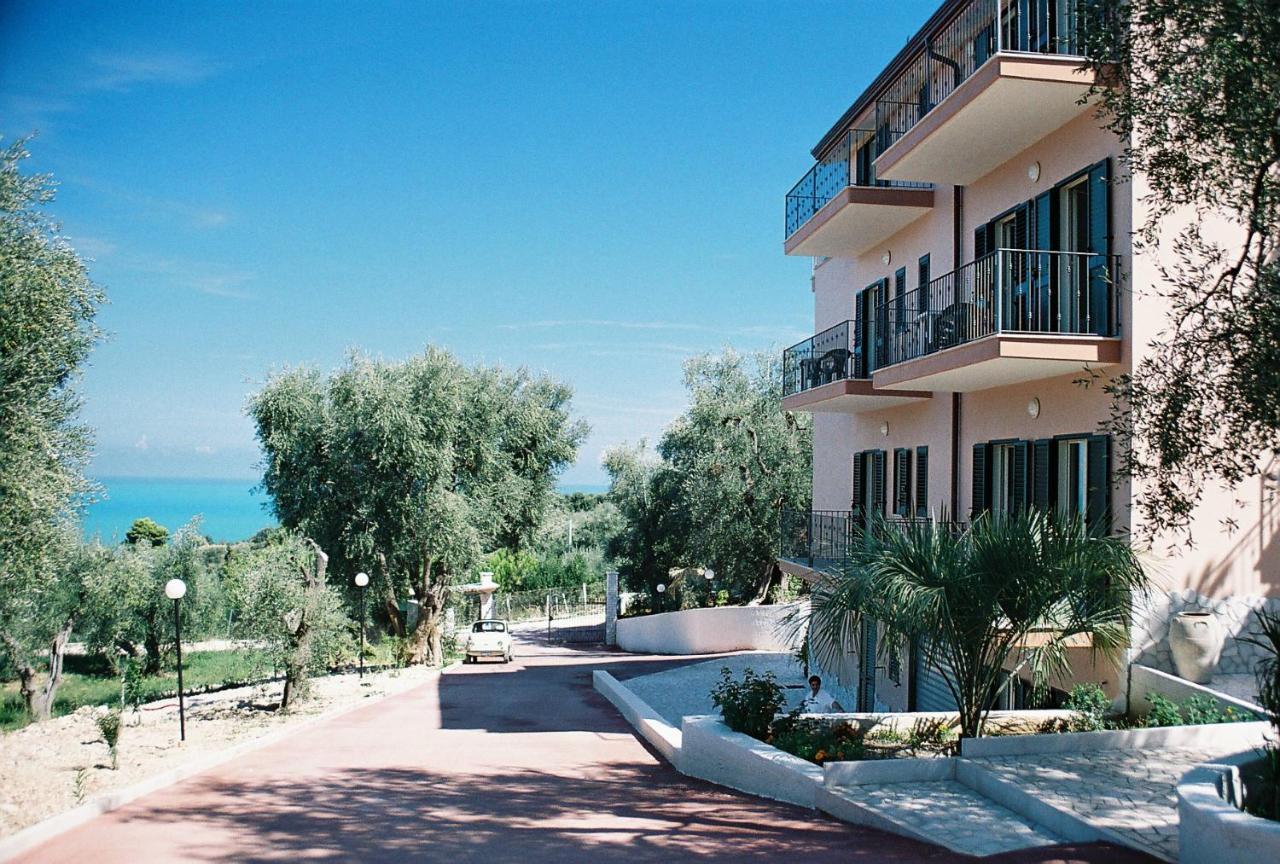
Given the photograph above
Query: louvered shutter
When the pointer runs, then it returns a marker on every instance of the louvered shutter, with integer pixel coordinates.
(1042, 264)
(902, 481)
(900, 299)
(859, 485)
(859, 336)
(981, 481)
(1021, 500)
(877, 482)
(1098, 489)
(981, 241)
(1042, 473)
(882, 321)
(922, 482)
(1100, 288)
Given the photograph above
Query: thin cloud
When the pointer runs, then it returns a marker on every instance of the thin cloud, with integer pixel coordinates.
(123, 72)
(197, 276)
(197, 215)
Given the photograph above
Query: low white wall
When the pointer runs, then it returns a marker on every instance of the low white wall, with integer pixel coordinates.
(651, 725)
(1211, 830)
(1144, 680)
(708, 631)
(713, 751)
(1216, 734)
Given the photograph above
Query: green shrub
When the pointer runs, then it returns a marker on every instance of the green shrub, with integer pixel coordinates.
(109, 727)
(1091, 704)
(1164, 712)
(749, 705)
(1196, 711)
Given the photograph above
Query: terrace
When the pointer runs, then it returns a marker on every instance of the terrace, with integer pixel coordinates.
(827, 372)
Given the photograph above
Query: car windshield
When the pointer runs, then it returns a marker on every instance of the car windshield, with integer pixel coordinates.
(489, 627)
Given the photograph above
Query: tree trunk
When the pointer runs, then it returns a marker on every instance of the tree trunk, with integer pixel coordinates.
(772, 574)
(151, 644)
(26, 673)
(299, 658)
(428, 641)
(57, 654)
(389, 602)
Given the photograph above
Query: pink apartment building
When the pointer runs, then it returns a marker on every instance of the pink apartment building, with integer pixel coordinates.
(969, 223)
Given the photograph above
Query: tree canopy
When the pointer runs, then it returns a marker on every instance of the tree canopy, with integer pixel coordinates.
(148, 530)
(724, 471)
(1198, 103)
(409, 470)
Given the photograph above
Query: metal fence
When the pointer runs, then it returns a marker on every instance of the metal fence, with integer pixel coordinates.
(553, 603)
(1007, 291)
(831, 355)
(823, 539)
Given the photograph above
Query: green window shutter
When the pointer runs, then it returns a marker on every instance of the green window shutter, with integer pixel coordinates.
(1021, 500)
(981, 480)
(1042, 475)
(900, 299)
(923, 274)
(859, 484)
(1100, 287)
(1042, 316)
(981, 241)
(877, 482)
(922, 482)
(1098, 484)
(882, 323)
(902, 481)
(859, 336)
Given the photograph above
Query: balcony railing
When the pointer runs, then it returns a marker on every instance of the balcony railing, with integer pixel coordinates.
(831, 355)
(823, 539)
(978, 31)
(850, 163)
(1006, 291)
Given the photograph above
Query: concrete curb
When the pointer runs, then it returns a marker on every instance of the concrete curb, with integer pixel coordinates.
(1162, 737)
(651, 725)
(712, 751)
(40, 832)
(1212, 829)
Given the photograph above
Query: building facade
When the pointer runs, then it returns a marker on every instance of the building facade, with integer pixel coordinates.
(975, 286)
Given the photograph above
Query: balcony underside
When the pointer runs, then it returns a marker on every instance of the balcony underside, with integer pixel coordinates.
(850, 396)
(997, 361)
(1010, 103)
(858, 219)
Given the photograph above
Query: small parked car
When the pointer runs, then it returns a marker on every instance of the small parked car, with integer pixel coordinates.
(488, 638)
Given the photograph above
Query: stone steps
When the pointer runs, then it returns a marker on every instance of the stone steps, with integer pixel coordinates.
(945, 812)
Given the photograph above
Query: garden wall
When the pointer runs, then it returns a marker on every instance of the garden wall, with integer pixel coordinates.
(1144, 680)
(708, 631)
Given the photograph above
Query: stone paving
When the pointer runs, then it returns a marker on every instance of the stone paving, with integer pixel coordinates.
(1130, 792)
(951, 814)
(686, 691)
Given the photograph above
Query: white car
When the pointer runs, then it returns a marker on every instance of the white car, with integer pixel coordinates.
(488, 638)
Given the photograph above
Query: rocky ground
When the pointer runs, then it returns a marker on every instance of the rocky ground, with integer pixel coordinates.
(53, 766)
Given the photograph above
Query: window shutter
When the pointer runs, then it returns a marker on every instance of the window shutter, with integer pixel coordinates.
(1100, 287)
(924, 271)
(1098, 484)
(859, 484)
(1042, 266)
(922, 482)
(1041, 484)
(882, 322)
(900, 299)
(877, 482)
(981, 481)
(980, 244)
(859, 328)
(1021, 500)
(902, 481)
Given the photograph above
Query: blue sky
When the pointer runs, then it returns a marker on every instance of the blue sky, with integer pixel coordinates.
(594, 190)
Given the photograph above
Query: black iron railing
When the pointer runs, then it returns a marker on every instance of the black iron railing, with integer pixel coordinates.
(823, 539)
(849, 163)
(831, 355)
(978, 31)
(1007, 291)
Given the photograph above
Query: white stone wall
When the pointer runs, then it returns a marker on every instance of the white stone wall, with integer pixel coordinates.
(709, 631)
(1235, 614)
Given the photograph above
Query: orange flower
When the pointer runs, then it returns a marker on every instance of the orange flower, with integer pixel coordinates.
(820, 756)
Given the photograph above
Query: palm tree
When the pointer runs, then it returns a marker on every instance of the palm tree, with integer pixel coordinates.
(1005, 593)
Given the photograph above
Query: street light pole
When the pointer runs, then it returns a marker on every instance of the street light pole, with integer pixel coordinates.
(362, 580)
(175, 590)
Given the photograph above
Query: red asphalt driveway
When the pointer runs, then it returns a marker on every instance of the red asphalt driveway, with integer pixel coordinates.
(489, 763)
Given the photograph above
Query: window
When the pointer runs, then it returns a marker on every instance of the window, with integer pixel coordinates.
(1073, 478)
(489, 627)
(1002, 478)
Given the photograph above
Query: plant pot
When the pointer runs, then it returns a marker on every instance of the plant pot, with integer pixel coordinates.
(1196, 641)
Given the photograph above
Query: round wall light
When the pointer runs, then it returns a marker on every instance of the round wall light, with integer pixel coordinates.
(1033, 171)
(886, 259)
(1033, 408)
(884, 428)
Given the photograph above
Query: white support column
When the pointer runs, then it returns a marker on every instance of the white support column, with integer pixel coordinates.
(611, 608)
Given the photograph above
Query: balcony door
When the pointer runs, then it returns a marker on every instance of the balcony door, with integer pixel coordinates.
(1073, 270)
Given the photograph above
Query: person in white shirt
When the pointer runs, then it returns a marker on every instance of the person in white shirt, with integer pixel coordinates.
(819, 701)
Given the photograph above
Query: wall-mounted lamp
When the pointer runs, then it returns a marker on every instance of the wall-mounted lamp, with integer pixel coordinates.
(884, 428)
(886, 259)
(1033, 172)
(1033, 408)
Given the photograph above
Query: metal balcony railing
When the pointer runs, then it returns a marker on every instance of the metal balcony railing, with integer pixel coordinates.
(849, 163)
(1006, 291)
(823, 539)
(977, 32)
(831, 355)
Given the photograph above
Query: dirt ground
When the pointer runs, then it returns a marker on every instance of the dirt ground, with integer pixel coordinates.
(53, 766)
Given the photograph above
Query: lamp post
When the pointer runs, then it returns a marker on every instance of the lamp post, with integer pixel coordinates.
(662, 589)
(175, 590)
(709, 574)
(362, 581)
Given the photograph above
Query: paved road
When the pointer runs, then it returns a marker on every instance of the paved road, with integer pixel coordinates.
(490, 763)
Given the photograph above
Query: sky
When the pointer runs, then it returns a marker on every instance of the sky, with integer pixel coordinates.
(593, 190)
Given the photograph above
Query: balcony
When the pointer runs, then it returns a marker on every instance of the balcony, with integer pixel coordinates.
(996, 78)
(1011, 316)
(819, 541)
(826, 373)
(840, 208)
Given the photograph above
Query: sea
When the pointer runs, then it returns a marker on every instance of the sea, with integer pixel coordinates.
(228, 510)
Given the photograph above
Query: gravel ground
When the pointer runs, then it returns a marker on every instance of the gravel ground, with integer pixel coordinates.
(53, 766)
(686, 691)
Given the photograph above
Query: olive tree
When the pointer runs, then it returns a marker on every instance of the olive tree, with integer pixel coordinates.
(1193, 87)
(408, 470)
